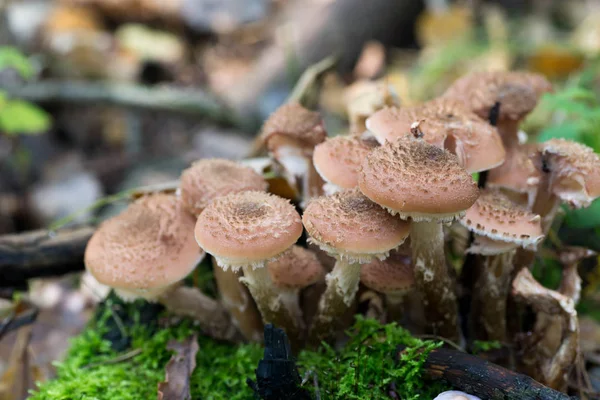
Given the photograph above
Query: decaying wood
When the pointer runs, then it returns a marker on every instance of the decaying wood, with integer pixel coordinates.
(486, 380)
(41, 253)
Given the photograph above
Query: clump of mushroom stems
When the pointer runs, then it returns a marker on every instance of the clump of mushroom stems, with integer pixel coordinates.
(432, 277)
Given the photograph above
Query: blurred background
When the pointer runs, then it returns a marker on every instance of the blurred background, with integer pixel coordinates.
(101, 96)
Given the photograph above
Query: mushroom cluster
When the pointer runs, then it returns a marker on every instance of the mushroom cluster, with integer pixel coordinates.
(379, 203)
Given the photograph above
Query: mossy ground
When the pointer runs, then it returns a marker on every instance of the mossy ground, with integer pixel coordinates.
(365, 369)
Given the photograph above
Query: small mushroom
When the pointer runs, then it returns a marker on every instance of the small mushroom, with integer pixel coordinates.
(455, 395)
(210, 178)
(290, 134)
(247, 230)
(500, 226)
(445, 123)
(292, 272)
(338, 160)
(414, 179)
(146, 251)
(363, 98)
(394, 278)
(356, 231)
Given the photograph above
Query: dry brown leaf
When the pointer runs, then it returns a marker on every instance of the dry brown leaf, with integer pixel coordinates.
(179, 369)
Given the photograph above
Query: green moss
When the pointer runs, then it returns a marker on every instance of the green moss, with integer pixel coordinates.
(365, 369)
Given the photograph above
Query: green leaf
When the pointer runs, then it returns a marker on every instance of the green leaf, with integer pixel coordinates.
(10, 57)
(584, 218)
(21, 117)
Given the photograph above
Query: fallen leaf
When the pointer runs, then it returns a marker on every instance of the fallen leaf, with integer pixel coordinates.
(179, 369)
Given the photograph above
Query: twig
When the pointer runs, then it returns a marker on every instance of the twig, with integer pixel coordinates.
(123, 357)
(310, 78)
(191, 102)
(447, 341)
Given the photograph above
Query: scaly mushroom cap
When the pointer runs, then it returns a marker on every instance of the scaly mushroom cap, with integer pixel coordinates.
(247, 229)
(392, 275)
(415, 179)
(486, 246)
(295, 125)
(296, 269)
(338, 159)
(351, 226)
(575, 170)
(518, 173)
(494, 215)
(445, 123)
(208, 179)
(146, 248)
(517, 92)
(455, 395)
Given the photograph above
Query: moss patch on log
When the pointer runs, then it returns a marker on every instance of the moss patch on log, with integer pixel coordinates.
(364, 369)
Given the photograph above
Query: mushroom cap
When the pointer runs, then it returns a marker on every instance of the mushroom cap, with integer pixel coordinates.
(146, 248)
(208, 179)
(295, 125)
(575, 170)
(338, 159)
(517, 92)
(413, 178)
(455, 395)
(351, 226)
(494, 215)
(296, 269)
(247, 228)
(392, 275)
(518, 173)
(446, 123)
(486, 246)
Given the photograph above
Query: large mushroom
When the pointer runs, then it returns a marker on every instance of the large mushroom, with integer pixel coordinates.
(245, 231)
(290, 135)
(338, 160)
(445, 123)
(355, 231)
(146, 251)
(414, 179)
(500, 226)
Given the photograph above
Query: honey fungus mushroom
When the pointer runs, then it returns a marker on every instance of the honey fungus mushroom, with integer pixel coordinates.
(246, 230)
(447, 124)
(211, 178)
(355, 231)
(414, 179)
(292, 272)
(394, 278)
(146, 251)
(290, 135)
(338, 160)
(500, 226)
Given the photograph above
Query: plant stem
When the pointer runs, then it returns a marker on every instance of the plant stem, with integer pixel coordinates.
(431, 275)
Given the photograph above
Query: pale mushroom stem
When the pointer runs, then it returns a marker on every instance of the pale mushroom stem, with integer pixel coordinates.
(342, 285)
(236, 299)
(395, 306)
(300, 169)
(491, 294)
(290, 299)
(432, 278)
(270, 305)
(192, 303)
(546, 204)
(509, 132)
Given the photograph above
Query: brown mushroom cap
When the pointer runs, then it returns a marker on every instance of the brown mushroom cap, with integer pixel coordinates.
(296, 269)
(517, 92)
(208, 179)
(494, 215)
(293, 124)
(518, 173)
(392, 275)
(575, 169)
(415, 179)
(146, 248)
(353, 227)
(247, 228)
(446, 123)
(338, 159)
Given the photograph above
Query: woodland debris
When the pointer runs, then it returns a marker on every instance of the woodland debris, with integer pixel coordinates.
(179, 369)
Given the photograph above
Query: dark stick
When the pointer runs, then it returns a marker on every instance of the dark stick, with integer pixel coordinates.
(484, 379)
(41, 254)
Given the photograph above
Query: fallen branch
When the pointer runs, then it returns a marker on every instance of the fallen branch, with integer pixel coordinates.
(486, 380)
(41, 253)
(191, 102)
